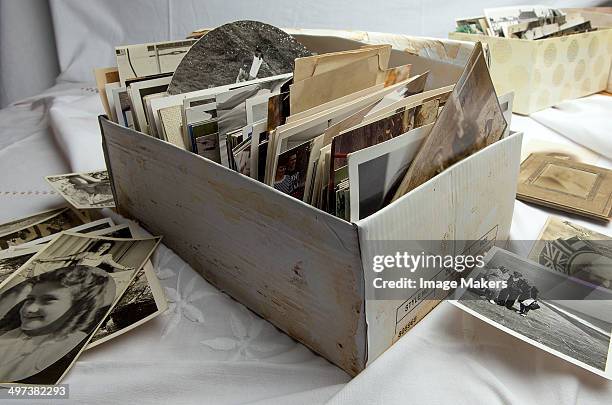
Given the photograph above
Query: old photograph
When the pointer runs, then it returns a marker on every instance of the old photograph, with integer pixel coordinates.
(58, 221)
(531, 302)
(242, 157)
(231, 106)
(290, 177)
(84, 190)
(471, 120)
(21, 223)
(53, 304)
(567, 185)
(365, 136)
(375, 172)
(566, 180)
(142, 301)
(98, 225)
(278, 110)
(574, 250)
(208, 146)
(11, 261)
(397, 74)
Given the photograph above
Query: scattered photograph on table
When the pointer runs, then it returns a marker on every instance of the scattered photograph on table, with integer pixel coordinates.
(11, 261)
(57, 222)
(567, 185)
(143, 300)
(117, 231)
(535, 304)
(21, 223)
(52, 305)
(570, 181)
(574, 250)
(84, 190)
(99, 225)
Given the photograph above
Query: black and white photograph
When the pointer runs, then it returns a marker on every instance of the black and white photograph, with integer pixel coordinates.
(52, 305)
(535, 304)
(253, 44)
(58, 221)
(94, 226)
(11, 261)
(143, 300)
(21, 223)
(574, 250)
(231, 105)
(84, 190)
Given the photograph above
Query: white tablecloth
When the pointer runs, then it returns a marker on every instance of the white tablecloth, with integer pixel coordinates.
(208, 348)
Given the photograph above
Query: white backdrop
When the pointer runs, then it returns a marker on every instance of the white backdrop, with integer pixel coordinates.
(28, 57)
(83, 33)
(87, 31)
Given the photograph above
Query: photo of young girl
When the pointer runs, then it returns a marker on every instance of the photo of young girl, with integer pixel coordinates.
(44, 319)
(53, 304)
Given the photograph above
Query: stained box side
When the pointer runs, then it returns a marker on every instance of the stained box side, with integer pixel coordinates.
(298, 267)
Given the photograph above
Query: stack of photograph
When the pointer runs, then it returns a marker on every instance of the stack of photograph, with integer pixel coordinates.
(347, 132)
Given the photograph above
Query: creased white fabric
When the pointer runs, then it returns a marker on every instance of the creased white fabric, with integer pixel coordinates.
(588, 122)
(74, 121)
(28, 56)
(209, 349)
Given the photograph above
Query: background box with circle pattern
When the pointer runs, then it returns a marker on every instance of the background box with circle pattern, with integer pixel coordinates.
(545, 72)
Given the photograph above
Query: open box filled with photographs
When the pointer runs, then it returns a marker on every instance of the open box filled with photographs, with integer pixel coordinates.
(304, 270)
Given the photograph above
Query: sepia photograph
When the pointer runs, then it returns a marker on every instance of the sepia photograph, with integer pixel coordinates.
(12, 260)
(535, 304)
(84, 190)
(97, 225)
(53, 304)
(566, 180)
(59, 221)
(21, 223)
(471, 120)
(278, 110)
(566, 185)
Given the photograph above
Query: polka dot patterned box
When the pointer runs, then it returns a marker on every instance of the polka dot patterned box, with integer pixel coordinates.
(545, 72)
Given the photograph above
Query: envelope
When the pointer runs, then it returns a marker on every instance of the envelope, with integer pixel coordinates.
(315, 65)
(333, 84)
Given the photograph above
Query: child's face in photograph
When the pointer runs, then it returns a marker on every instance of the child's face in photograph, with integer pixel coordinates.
(104, 247)
(45, 304)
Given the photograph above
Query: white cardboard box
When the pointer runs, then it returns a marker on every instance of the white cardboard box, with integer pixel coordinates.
(298, 267)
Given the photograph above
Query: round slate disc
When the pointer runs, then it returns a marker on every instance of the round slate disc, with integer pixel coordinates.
(234, 52)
